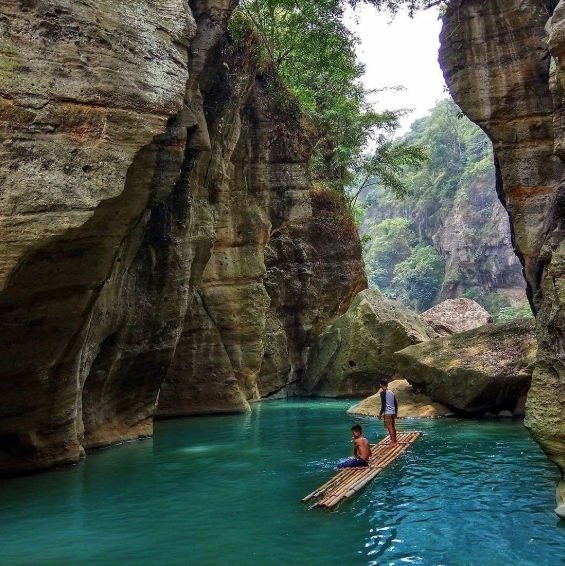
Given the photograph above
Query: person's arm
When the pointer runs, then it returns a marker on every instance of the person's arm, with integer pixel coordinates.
(354, 447)
(395, 407)
(383, 403)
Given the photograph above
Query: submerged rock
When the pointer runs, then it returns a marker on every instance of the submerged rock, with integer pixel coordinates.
(411, 404)
(356, 351)
(456, 315)
(485, 369)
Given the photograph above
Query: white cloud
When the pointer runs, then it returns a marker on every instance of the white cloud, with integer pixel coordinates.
(400, 52)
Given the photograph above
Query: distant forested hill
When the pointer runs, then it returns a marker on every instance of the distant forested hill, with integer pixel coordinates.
(450, 236)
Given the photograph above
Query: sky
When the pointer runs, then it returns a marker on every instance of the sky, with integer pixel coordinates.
(400, 52)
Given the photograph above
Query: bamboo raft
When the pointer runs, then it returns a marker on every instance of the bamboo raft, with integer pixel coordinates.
(349, 481)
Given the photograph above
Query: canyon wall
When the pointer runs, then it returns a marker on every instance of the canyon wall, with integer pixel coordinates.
(475, 241)
(502, 61)
(158, 228)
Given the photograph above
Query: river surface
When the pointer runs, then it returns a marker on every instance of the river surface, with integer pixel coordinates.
(226, 490)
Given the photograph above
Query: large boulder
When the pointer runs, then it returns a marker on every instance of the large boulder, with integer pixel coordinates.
(487, 369)
(411, 404)
(355, 352)
(456, 315)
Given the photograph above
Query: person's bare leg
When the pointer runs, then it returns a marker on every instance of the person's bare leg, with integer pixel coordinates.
(388, 425)
(393, 431)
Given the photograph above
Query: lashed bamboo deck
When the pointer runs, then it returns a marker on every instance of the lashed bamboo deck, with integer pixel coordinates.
(349, 481)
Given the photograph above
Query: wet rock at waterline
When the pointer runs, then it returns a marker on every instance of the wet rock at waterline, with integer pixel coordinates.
(456, 315)
(487, 369)
(356, 351)
(411, 404)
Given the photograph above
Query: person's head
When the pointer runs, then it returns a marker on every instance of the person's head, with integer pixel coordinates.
(384, 385)
(356, 430)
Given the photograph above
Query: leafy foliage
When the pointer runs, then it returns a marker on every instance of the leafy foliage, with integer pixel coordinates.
(391, 243)
(420, 276)
(459, 160)
(309, 47)
(498, 304)
(509, 313)
(401, 267)
(412, 6)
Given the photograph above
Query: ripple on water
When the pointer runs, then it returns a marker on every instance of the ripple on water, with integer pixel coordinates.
(225, 490)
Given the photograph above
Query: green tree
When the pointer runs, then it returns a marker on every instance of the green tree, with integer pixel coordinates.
(391, 242)
(311, 50)
(419, 277)
(412, 6)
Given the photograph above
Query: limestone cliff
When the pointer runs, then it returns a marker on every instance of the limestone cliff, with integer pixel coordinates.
(146, 173)
(508, 78)
(475, 241)
(452, 205)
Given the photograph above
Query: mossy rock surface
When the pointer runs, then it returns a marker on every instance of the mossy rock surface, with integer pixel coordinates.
(355, 352)
(485, 369)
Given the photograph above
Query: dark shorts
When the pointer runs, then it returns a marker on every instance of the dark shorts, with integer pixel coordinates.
(353, 463)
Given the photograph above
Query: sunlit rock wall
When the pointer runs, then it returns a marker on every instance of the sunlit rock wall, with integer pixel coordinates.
(143, 170)
(87, 95)
(270, 275)
(507, 78)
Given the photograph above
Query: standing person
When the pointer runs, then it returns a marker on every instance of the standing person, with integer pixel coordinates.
(361, 450)
(389, 410)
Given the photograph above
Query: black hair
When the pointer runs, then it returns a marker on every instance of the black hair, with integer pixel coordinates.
(384, 382)
(357, 427)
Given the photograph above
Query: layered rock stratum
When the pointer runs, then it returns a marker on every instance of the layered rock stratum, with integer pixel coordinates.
(158, 226)
(503, 63)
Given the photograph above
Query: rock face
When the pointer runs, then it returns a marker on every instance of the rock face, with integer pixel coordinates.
(486, 369)
(475, 241)
(505, 70)
(356, 351)
(410, 403)
(87, 94)
(456, 315)
(461, 215)
(314, 271)
(146, 173)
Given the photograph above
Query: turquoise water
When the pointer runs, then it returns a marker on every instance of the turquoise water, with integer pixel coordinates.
(225, 490)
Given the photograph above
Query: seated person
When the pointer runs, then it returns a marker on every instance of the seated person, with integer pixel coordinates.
(361, 450)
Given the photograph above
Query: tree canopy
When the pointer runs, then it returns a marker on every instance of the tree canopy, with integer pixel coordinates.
(313, 53)
(457, 179)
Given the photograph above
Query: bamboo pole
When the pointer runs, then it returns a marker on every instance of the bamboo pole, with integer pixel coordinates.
(338, 477)
(335, 492)
(344, 487)
(351, 487)
(351, 480)
(341, 476)
(343, 479)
